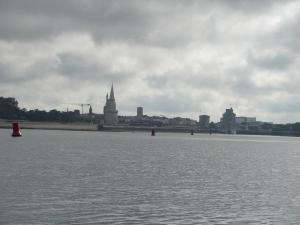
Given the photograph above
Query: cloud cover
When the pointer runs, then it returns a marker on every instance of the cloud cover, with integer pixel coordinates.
(173, 57)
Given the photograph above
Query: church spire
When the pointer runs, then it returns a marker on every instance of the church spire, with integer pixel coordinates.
(109, 110)
(112, 96)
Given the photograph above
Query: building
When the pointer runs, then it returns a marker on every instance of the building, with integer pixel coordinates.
(182, 122)
(139, 112)
(204, 121)
(228, 121)
(109, 111)
(244, 119)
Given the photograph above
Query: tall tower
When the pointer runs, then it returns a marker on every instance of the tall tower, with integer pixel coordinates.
(139, 112)
(110, 112)
(204, 121)
(228, 121)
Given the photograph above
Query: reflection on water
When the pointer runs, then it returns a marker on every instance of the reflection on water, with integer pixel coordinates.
(63, 177)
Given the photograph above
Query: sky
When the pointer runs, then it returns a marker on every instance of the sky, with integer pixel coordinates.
(174, 58)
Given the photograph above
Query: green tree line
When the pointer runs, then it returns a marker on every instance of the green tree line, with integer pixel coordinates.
(9, 109)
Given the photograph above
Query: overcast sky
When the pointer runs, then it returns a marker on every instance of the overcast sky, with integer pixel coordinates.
(174, 58)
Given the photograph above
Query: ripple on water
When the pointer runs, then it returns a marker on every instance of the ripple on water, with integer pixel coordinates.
(132, 178)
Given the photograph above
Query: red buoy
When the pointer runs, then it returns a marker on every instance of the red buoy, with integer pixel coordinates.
(16, 130)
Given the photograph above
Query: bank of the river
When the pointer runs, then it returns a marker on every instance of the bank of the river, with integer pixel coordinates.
(51, 125)
(94, 127)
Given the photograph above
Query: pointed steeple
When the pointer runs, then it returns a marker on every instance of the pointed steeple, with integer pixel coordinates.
(112, 96)
(109, 110)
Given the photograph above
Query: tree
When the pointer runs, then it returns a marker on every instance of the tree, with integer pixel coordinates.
(8, 108)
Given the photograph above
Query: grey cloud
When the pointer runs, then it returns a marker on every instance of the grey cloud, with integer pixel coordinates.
(253, 6)
(236, 81)
(283, 105)
(31, 19)
(166, 103)
(287, 35)
(168, 56)
(4, 72)
(245, 86)
(10, 75)
(168, 23)
(70, 64)
(156, 81)
(81, 68)
(275, 61)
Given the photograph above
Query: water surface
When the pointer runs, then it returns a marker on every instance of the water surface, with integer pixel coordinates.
(65, 177)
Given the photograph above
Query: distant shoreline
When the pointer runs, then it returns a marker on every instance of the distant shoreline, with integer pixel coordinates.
(89, 127)
(52, 126)
(81, 126)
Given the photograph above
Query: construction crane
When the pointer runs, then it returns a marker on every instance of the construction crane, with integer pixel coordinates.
(80, 104)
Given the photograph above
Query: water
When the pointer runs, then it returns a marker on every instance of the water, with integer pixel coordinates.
(65, 177)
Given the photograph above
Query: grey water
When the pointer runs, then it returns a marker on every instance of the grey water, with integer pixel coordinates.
(71, 177)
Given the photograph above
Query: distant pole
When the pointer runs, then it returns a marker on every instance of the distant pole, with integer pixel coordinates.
(153, 132)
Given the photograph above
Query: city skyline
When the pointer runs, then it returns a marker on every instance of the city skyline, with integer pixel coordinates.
(173, 58)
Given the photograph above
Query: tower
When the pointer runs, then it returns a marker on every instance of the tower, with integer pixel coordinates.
(228, 121)
(204, 121)
(110, 112)
(139, 112)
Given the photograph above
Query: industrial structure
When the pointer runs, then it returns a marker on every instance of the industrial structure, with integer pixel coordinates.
(82, 105)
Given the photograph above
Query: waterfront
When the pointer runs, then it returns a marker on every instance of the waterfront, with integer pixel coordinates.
(65, 177)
